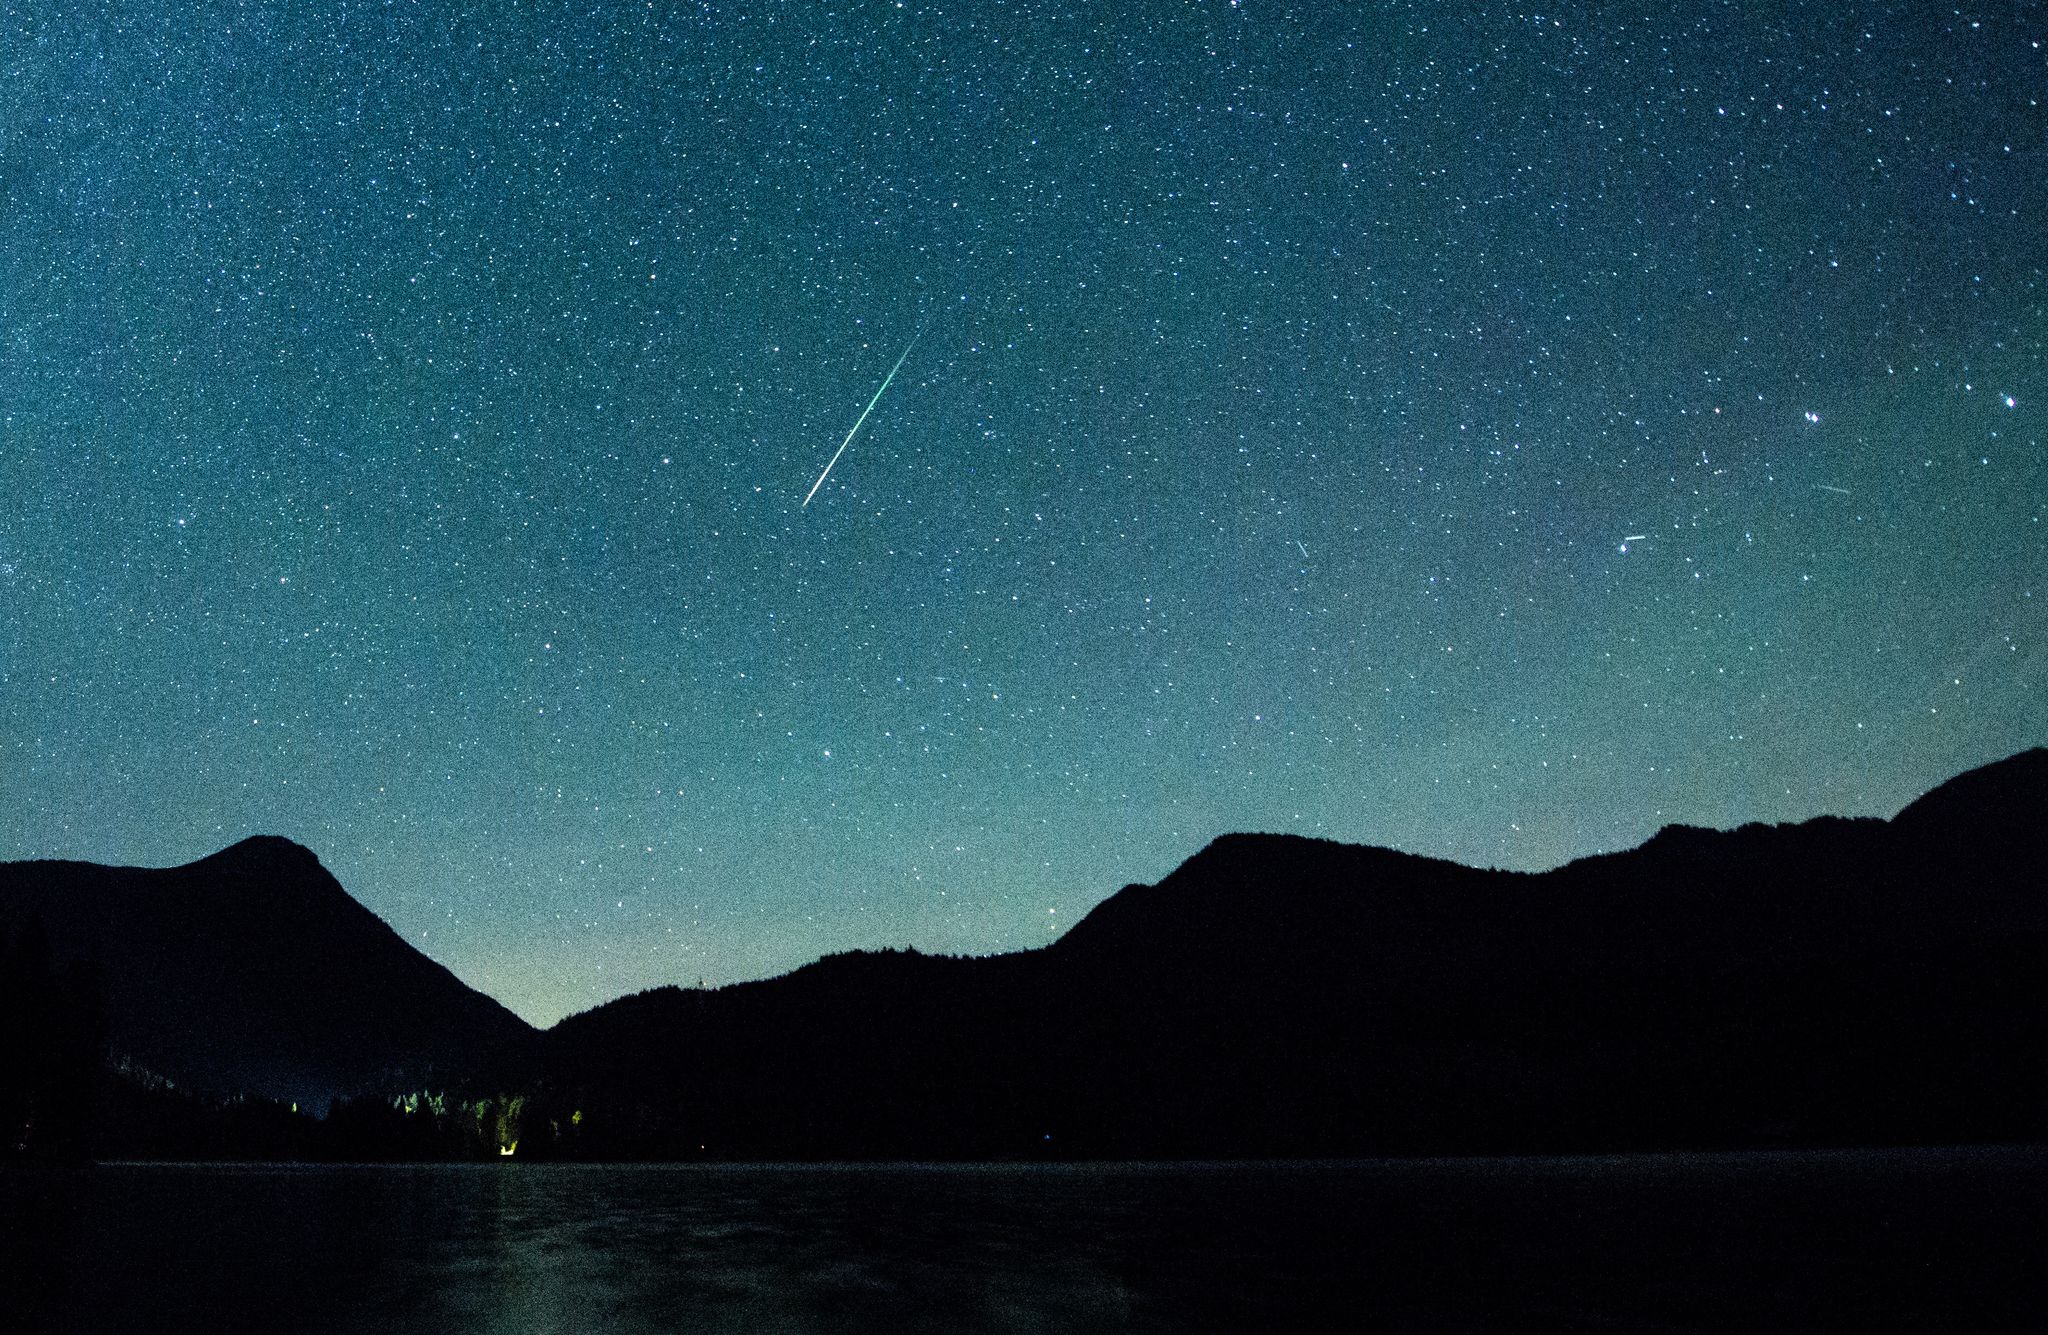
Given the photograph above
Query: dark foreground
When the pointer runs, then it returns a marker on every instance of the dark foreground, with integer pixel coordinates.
(1893, 1240)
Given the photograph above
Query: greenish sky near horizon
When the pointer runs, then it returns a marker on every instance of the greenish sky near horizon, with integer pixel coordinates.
(1488, 433)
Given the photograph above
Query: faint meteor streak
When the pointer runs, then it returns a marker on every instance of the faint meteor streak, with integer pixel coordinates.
(1840, 491)
(862, 418)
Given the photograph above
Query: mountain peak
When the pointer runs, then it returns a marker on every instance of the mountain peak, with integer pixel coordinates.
(254, 971)
(265, 867)
(1230, 849)
(266, 849)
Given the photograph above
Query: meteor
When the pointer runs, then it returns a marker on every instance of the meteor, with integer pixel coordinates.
(862, 418)
(1842, 491)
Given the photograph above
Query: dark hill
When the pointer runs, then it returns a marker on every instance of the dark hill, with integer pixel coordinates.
(1832, 982)
(254, 972)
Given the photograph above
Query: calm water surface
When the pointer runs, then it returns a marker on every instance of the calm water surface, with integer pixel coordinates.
(1914, 1240)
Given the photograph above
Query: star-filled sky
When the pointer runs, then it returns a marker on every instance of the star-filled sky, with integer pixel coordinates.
(1487, 432)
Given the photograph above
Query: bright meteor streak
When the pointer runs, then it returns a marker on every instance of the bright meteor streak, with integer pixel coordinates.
(862, 418)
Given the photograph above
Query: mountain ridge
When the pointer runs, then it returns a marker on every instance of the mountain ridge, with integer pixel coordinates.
(1834, 980)
(2028, 768)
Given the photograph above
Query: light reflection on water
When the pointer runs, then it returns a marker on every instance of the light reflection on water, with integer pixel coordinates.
(1869, 1241)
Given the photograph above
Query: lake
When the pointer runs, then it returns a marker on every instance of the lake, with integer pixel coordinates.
(1894, 1240)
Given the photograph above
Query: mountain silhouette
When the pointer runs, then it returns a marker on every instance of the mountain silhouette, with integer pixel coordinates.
(1831, 982)
(252, 972)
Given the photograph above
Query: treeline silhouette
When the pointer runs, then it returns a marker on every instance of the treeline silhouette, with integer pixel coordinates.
(66, 1098)
(149, 1120)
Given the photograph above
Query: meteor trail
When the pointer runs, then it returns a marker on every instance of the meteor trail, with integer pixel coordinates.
(1825, 487)
(862, 418)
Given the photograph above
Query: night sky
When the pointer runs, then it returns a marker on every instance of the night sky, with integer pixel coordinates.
(1493, 435)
